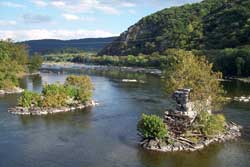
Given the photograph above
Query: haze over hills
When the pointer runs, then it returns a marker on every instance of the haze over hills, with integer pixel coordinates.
(211, 24)
(52, 45)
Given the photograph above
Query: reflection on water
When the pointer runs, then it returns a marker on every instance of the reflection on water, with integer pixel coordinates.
(106, 135)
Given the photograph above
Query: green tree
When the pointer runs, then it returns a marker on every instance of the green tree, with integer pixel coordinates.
(240, 62)
(185, 70)
(35, 63)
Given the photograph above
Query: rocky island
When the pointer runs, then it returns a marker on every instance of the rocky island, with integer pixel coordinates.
(75, 93)
(196, 120)
(185, 131)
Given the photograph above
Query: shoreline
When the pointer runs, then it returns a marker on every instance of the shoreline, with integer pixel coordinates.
(182, 144)
(70, 65)
(46, 111)
(15, 90)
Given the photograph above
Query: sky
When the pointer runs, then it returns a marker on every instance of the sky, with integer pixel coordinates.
(74, 19)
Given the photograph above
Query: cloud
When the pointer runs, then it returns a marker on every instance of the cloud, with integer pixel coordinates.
(12, 4)
(35, 18)
(84, 6)
(71, 17)
(7, 22)
(39, 3)
(128, 4)
(21, 35)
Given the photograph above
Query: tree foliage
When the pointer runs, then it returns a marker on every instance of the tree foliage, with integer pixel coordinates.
(30, 99)
(210, 124)
(188, 71)
(14, 62)
(210, 24)
(35, 63)
(55, 95)
(83, 86)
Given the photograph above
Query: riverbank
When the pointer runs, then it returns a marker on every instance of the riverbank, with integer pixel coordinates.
(45, 111)
(232, 132)
(69, 65)
(15, 90)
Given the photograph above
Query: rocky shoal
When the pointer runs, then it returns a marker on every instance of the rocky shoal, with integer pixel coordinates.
(182, 144)
(45, 111)
(13, 91)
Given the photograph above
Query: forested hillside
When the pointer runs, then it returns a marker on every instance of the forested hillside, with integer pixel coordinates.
(46, 46)
(211, 24)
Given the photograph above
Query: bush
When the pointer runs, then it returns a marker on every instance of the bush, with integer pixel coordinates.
(82, 84)
(56, 100)
(54, 95)
(211, 124)
(29, 99)
(152, 126)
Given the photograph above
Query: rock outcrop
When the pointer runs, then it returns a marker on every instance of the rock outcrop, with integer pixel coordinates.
(45, 111)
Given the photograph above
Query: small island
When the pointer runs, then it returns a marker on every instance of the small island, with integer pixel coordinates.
(196, 121)
(75, 93)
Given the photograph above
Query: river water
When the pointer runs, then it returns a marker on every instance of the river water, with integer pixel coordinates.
(105, 135)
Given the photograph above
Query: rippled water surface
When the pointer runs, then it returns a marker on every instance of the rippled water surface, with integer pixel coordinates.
(105, 136)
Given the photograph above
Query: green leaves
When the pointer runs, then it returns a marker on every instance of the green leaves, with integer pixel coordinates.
(78, 88)
(152, 126)
(186, 70)
(211, 124)
(30, 99)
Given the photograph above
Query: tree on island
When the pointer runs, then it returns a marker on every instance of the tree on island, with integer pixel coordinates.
(76, 90)
(186, 70)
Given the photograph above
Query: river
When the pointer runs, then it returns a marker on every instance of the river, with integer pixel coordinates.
(105, 135)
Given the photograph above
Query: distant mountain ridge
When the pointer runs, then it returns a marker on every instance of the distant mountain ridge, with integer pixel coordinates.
(210, 24)
(52, 45)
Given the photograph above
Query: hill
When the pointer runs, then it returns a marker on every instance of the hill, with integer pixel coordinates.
(53, 45)
(210, 24)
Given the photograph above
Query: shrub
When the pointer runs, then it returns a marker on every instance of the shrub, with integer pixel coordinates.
(211, 124)
(54, 95)
(52, 89)
(71, 91)
(152, 126)
(83, 85)
(56, 100)
(29, 99)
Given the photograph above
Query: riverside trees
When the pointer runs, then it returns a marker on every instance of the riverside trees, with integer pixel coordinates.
(14, 62)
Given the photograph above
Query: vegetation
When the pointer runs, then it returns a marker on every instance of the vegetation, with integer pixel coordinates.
(14, 62)
(29, 99)
(186, 70)
(83, 85)
(152, 127)
(231, 62)
(210, 124)
(35, 63)
(210, 24)
(76, 88)
(54, 46)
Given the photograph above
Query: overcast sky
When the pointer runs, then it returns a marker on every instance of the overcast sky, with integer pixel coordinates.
(72, 19)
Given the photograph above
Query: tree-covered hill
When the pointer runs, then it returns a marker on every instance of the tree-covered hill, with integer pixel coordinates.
(210, 24)
(53, 45)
